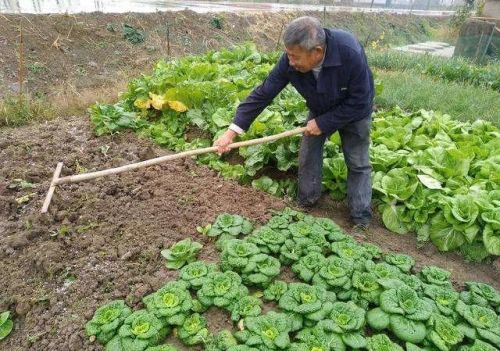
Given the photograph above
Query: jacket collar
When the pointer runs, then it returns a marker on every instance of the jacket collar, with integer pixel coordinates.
(332, 56)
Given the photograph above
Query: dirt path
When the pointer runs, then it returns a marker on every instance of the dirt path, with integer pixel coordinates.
(102, 239)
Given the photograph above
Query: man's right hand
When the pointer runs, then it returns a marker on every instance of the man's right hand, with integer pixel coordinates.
(223, 142)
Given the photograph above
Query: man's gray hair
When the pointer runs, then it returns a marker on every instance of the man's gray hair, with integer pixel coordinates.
(305, 32)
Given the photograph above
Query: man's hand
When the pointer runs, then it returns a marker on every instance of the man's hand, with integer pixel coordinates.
(312, 128)
(226, 139)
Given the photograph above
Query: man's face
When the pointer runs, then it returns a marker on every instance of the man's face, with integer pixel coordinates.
(304, 60)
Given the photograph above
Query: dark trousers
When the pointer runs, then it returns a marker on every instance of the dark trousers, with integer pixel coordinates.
(355, 139)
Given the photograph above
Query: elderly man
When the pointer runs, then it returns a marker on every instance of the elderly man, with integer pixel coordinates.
(329, 69)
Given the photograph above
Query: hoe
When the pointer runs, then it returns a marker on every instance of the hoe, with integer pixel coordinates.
(56, 180)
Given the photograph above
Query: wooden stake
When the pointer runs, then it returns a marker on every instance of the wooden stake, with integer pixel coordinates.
(20, 73)
(279, 37)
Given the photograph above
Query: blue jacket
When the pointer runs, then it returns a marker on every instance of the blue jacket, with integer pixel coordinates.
(342, 94)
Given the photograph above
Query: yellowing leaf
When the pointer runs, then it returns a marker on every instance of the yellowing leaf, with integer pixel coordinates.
(177, 106)
(143, 104)
(157, 101)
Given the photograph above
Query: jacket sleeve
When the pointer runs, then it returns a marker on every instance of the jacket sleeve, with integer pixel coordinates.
(263, 95)
(359, 99)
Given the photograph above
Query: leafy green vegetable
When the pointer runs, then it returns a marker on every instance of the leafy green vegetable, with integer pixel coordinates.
(268, 240)
(221, 289)
(403, 262)
(275, 290)
(316, 339)
(194, 330)
(247, 306)
(482, 322)
(6, 324)
(171, 303)
(139, 331)
(444, 298)
(381, 342)
(106, 321)
(404, 312)
(261, 270)
(222, 341)
(237, 254)
(132, 34)
(181, 253)
(233, 225)
(335, 273)
(481, 294)
(444, 334)
(347, 320)
(309, 302)
(435, 276)
(479, 346)
(195, 273)
(266, 332)
(309, 265)
(365, 288)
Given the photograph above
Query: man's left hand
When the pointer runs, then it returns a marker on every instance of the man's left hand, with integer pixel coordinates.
(312, 128)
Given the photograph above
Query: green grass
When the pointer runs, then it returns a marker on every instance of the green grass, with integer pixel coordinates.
(16, 112)
(463, 102)
(449, 69)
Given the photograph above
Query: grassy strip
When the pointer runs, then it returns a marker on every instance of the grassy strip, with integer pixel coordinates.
(15, 112)
(462, 101)
(450, 69)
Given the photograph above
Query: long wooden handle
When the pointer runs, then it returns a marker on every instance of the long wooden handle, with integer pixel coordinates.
(155, 161)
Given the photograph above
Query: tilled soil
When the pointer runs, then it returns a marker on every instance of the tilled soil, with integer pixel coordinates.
(101, 240)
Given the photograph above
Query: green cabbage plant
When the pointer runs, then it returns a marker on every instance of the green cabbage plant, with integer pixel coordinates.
(403, 312)
(194, 330)
(171, 303)
(195, 273)
(335, 274)
(232, 225)
(165, 347)
(316, 339)
(266, 332)
(481, 294)
(181, 253)
(268, 240)
(247, 306)
(139, 331)
(443, 333)
(347, 321)
(275, 290)
(444, 298)
(310, 303)
(435, 276)
(221, 289)
(481, 323)
(404, 262)
(381, 342)
(261, 270)
(236, 254)
(106, 321)
(221, 341)
(308, 266)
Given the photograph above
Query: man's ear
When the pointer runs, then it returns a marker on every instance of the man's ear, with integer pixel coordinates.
(319, 50)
